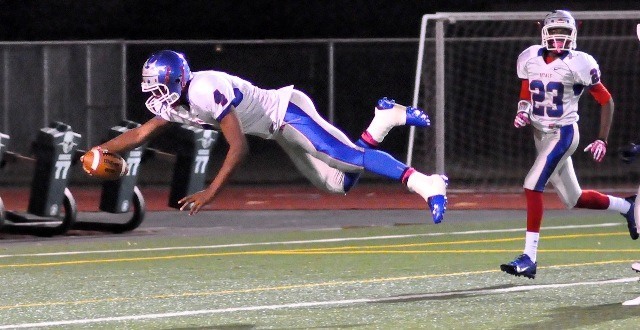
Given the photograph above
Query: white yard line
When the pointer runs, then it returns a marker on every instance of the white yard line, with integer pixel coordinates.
(328, 240)
(310, 304)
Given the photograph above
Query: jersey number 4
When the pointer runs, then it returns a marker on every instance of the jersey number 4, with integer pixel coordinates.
(538, 95)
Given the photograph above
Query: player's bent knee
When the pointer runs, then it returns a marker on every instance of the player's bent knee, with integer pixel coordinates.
(569, 203)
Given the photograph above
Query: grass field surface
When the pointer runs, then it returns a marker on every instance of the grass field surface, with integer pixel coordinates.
(386, 277)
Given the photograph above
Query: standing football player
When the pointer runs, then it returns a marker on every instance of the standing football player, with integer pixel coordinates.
(554, 76)
(234, 106)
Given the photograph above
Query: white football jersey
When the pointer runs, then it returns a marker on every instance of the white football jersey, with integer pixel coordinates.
(212, 93)
(556, 87)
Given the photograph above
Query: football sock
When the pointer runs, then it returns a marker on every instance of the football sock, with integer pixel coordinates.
(426, 185)
(386, 119)
(618, 204)
(534, 210)
(591, 199)
(407, 173)
(531, 245)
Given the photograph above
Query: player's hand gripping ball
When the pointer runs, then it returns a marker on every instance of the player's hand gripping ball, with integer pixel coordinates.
(103, 165)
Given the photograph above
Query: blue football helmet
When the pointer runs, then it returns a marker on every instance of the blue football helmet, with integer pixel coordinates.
(164, 74)
(559, 31)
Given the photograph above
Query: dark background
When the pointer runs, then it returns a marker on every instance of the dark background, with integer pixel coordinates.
(246, 19)
(38, 20)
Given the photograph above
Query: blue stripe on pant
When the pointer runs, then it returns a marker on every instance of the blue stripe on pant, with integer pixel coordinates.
(372, 160)
(554, 157)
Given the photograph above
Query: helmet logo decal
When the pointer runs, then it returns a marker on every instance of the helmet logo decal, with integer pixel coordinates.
(151, 68)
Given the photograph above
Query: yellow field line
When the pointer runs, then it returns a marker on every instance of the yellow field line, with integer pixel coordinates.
(303, 252)
(497, 240)
(294, 286)
(337, 250)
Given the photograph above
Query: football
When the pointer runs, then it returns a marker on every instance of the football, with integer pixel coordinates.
(103, 165)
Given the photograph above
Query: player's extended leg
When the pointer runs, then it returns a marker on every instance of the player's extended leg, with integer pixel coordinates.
(333, 180)
(389, 114)
(554, 150)
(569, 191)
(305, 129)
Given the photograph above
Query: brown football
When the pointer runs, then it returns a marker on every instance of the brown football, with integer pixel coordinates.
(104, 165)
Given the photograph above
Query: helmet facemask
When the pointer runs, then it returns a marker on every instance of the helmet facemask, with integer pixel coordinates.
(161, 99)
(559, 32)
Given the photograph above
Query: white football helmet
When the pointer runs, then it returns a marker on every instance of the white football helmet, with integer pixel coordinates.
(164, 74)
(559, 31)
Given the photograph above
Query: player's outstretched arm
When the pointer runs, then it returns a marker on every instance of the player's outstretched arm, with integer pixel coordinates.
(238, 150)
(135, 137)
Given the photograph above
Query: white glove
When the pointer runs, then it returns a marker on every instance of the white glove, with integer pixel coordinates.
(522, 117)
(598, 149)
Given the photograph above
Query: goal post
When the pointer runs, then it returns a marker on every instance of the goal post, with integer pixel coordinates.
(466, 81)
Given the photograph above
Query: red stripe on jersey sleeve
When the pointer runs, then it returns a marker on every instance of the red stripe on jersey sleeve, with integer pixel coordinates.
(600, 93)
(525, 93)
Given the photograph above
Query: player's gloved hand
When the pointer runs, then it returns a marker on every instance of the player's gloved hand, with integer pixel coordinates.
(628, 153)
(598, 149)
(522, 117)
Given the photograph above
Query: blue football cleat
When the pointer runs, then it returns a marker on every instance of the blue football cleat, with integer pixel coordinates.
(631, 219)
(438, 205)
(521, 266)
(385, 104)
(414, 116)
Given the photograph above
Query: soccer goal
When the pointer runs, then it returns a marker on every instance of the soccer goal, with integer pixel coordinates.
(466, 80)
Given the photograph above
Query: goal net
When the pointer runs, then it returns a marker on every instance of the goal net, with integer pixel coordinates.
(466, 81)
